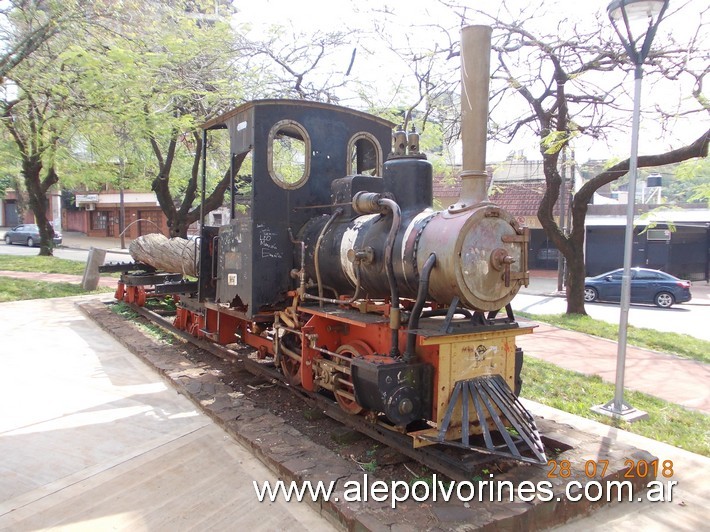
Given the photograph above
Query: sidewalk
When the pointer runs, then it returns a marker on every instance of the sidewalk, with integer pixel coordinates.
(669, 377)
(93, 439)
(123, 494)
(74, 239)
(666, 376)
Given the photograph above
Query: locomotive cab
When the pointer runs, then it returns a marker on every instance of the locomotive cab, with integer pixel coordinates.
(296, 148)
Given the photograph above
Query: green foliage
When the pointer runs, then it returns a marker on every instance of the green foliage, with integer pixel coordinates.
(576, 393)
(426, 479)
(124, 310)
(288, 159)
(43, 264)
(120, 92)
(370, 466)
(162, 305)
(9, 167)
(5, 182)
(22, 289)
(691, 183)
(157, 333)
(554, 141)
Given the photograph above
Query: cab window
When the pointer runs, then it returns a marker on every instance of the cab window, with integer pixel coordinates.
(365, 155)
(289, 154)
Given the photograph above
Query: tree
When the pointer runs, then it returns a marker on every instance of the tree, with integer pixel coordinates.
(199, 86)
(10, 176)
(33, 124)
(692, 181)
(561, 80)
(306, 66)
(26, 25)
(275, 66)
(37, 115)
(565, 100)
(148, 84)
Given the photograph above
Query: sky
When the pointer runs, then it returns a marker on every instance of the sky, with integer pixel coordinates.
(411, 18)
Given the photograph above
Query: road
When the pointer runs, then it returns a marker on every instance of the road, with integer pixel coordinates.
(689, 318)
(79, 255)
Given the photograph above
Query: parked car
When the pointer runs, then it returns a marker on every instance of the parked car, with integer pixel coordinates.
(28, 234)
(647, 286)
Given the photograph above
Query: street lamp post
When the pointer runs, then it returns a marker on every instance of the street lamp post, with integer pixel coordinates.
(635, 22)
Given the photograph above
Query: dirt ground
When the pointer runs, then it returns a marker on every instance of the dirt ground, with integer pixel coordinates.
(379, 461)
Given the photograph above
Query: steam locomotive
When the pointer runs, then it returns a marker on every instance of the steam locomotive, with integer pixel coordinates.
(336, 266)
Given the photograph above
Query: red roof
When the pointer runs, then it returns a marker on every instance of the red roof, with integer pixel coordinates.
(520, 198)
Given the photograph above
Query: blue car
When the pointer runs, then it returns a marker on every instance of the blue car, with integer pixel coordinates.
(28, 234)
(647, 286)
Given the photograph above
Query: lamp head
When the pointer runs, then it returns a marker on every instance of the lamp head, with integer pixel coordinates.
(636, 21)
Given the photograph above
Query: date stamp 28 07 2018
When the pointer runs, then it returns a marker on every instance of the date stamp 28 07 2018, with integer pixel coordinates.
(597, 468)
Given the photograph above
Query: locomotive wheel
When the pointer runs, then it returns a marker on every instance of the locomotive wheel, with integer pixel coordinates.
(344, 389)
(291, 367)
(120, 292)
(344, 394)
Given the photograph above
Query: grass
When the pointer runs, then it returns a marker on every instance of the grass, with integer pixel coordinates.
(683, 345)
(36, 263)
(41, 264)
(543, 382)
(154, 331)
(21, 289)
(576, 393)
(12, 289)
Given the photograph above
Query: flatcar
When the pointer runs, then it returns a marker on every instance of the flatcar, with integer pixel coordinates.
(335, 265)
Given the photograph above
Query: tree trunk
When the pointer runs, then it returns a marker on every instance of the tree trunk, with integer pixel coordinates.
(576, 261)
(172, 255)
(31, 170)
(576, 272)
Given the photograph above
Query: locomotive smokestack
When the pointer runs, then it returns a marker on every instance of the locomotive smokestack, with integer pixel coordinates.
(475, 73)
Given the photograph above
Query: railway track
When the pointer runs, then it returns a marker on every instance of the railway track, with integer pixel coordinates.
(453, 463)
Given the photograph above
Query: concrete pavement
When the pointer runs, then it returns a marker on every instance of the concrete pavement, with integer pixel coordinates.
(93, 439)
(669, 377)
(689, 506)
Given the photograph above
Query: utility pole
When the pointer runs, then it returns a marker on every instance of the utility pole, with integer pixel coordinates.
(563, 208)
(122, 216)
(122, 208)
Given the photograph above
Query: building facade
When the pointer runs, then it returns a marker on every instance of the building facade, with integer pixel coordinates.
(98, 214)
(10, 215)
